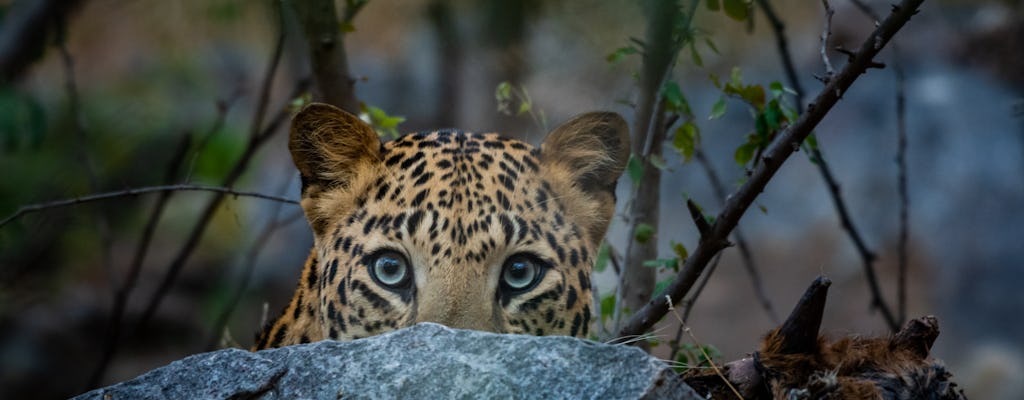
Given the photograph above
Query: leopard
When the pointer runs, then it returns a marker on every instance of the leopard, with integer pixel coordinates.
(469, 230)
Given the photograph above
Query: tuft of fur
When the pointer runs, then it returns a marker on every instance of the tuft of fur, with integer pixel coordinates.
(588, 153)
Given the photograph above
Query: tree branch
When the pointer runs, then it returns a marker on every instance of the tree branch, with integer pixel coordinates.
(787, 142)
(33, 208)
(319, 20)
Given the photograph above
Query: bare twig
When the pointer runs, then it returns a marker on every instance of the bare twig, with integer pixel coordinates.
(257, 137)
(818, 159)
(787, 59)
(32, 208)
(741, 242)
(113, 333)
(786, 143)
(824, 41)
(901, 166)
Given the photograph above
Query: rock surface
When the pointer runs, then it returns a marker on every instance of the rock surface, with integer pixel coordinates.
(426, 361)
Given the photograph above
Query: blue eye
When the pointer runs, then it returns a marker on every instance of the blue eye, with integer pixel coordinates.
(520, 272)
(390, 269)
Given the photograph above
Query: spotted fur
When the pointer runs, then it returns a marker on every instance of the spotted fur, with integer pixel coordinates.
(461, 209)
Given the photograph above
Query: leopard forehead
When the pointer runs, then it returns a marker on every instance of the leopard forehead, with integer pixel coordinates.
(462, 198)
(457, 205)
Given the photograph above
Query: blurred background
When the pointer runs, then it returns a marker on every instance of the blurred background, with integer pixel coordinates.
(147, 74)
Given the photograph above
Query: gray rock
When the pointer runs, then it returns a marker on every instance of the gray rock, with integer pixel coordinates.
(426, 361)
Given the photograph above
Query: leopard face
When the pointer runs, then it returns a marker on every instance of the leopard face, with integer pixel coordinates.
(468, 230)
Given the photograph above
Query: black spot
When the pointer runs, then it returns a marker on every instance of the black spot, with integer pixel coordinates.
(341, 294)
(332, 270)
(428, 143)
(411, 160)
(311, 279)
(382, 191)
(304, 339)
(576, 321)
(393, 160)
(418, 170)
(298, 308)
(571, 301)
(584, 279)
(574, 257)
(423, 178)
(550, 315)
(375, 300)
(279, 336)
(419, 198)
(494, 145)
(558, 249)
(413, 222)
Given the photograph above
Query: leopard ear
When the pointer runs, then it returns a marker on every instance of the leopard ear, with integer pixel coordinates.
(328, 145)
(591, 150)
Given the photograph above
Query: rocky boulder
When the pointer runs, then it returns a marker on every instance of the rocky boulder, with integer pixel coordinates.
(425, 361)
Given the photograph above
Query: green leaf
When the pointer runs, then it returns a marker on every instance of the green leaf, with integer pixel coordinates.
(776, 89)
(620, 54)
(674, 99)
(346, 27)
(715, 80)
(680, 250)
(736, 77)
(737, 9)
(658, 162)
(718, 109)
(524, 108)
(659, 288)
(773, 115)
(711, 44)
(696, 56)
(812, 141)
(607, 306)
(643, 233)
(603, 255)
(661, 263)
(685, 140)
(635, 169)
(713, 5)
(744, 153)
(503, 92)
(754, 94)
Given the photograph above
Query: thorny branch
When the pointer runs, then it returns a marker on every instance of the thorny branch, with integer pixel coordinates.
(825, 34)
(786, 143)
(818, 159)
(222, 191)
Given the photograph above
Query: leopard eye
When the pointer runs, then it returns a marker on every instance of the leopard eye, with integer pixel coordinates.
(390, 269)
(520, 273)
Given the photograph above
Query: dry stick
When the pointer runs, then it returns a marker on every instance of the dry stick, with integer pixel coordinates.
(825, 34)
(258, 135)
(113, 334)
(816, 157)
(787, 142)
(688, 306)
(741, 242)
(222, 191)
